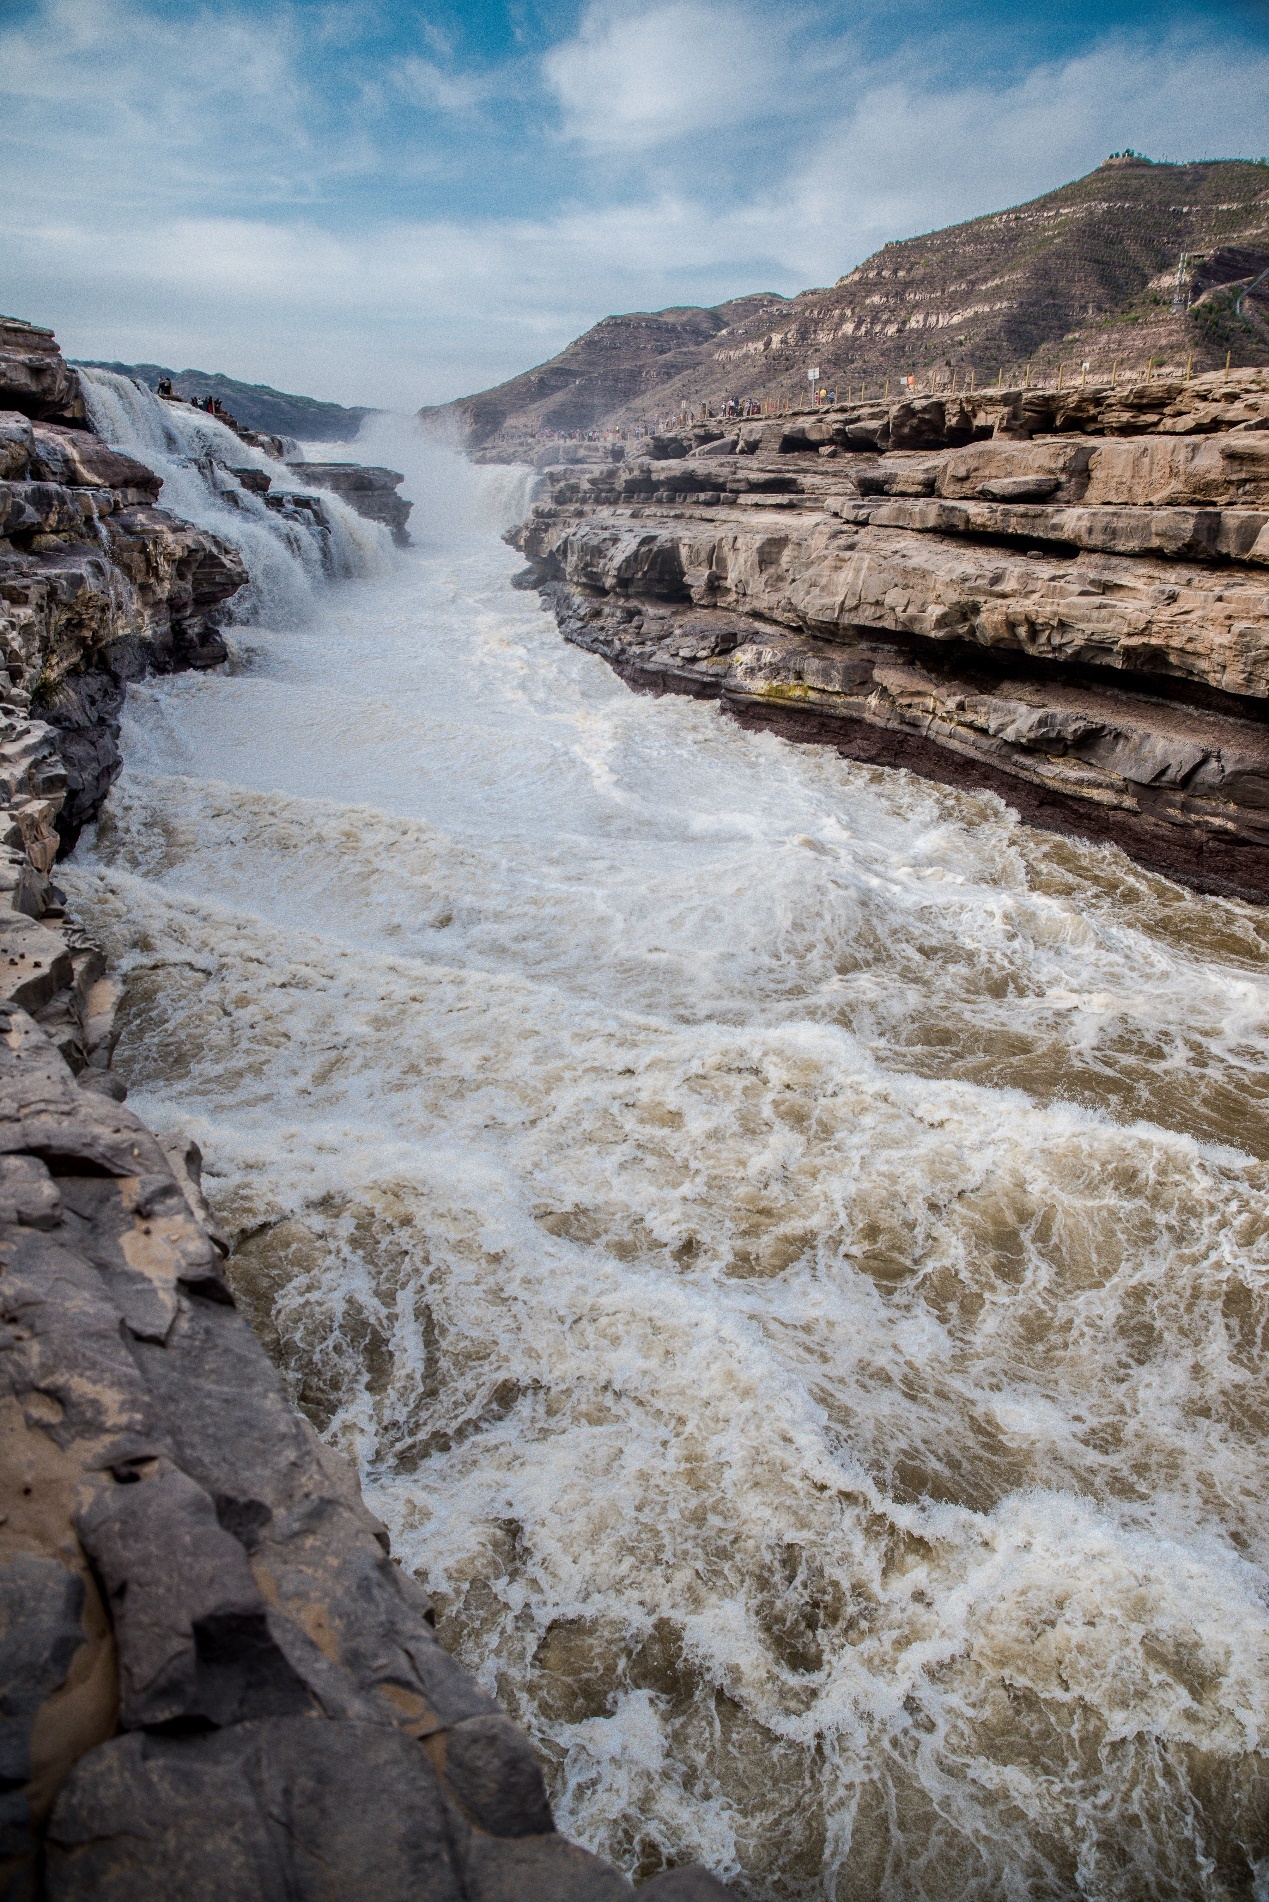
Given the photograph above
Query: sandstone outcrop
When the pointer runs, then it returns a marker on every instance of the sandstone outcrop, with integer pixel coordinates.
(98, 585)
(214, 1680)
(34, 376)
(369, 490)
(1061, 597)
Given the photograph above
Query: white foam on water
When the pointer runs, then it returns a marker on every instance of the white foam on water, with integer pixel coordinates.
(785, 1243)
(288, 560)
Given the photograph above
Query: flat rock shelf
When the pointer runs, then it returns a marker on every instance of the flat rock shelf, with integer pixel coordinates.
(1061, 598)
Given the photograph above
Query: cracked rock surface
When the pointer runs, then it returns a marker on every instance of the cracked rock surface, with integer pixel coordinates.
(1062, 597)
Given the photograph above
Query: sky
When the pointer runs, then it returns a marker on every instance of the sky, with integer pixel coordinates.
(397, 204)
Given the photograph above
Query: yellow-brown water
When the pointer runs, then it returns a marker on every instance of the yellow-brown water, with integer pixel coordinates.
(785, 1243)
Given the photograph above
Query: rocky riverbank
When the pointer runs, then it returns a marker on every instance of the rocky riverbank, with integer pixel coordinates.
(216, 1680)
(1062, 596)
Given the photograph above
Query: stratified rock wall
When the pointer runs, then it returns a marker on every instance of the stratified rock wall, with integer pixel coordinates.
(97, 586)
(1135, 263)
(1062, 596)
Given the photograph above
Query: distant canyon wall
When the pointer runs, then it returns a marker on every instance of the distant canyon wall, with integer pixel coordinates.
(1134, 264)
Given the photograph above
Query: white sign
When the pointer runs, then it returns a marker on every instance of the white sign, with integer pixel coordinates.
(813, 376)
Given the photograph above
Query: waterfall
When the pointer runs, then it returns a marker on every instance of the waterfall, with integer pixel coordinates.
(289, 556)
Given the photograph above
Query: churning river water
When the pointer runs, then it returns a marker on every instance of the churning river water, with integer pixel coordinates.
(785, 1243)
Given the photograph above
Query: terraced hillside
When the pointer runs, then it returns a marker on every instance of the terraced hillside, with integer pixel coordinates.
(1135, 261)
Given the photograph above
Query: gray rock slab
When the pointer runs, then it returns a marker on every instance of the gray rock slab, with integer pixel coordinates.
(293, 1808)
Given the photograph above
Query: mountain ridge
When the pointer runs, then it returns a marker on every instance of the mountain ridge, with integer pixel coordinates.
(1136, 261)
(256, 405)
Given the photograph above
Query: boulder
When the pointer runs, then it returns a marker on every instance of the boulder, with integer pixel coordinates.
(370, 491)
(35, 379)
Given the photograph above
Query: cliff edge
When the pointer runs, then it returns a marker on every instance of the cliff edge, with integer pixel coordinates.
(1060, 596)
(1137, 262)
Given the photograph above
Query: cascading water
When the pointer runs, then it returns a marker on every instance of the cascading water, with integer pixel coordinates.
(288, 557)
(786, 1243)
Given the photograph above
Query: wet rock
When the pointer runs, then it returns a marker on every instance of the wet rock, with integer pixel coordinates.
(538, 1869)
(284, 1807)
(371, 491)
(189, 1621)
(495, 1777)
(690, 1884)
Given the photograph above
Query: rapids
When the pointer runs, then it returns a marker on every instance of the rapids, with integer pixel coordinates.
(784, 1242)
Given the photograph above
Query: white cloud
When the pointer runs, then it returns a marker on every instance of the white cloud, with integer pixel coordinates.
(439, 88)
(638, 78)
(171, 196)
(108, 101)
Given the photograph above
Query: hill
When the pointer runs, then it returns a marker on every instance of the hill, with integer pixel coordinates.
(619, 362)
(1136, 261)
(255, 405)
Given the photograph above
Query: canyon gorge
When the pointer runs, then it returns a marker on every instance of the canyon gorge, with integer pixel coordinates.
(678, 1295)
(214, 1677)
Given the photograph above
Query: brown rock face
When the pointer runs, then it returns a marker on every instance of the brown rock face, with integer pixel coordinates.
(371, 491)
(619, 362)
(1071, 607)
(1135, 262)
(34, 377)
(97, 586)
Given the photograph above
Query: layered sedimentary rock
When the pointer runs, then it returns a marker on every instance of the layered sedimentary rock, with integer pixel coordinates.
(369, 490)
(214, 1680)
(34, 376)
(1060, 596)
(97, 585)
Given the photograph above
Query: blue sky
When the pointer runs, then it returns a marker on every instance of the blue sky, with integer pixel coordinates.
(396, 204)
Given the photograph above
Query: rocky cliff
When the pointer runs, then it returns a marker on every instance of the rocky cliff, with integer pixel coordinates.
(1063, 597)
(1136, 261)
(214, 1680)
(371, 491)
(618, 363)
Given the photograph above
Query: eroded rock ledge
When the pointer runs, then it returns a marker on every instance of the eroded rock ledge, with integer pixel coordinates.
(214, 1680)
(1060, 597)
